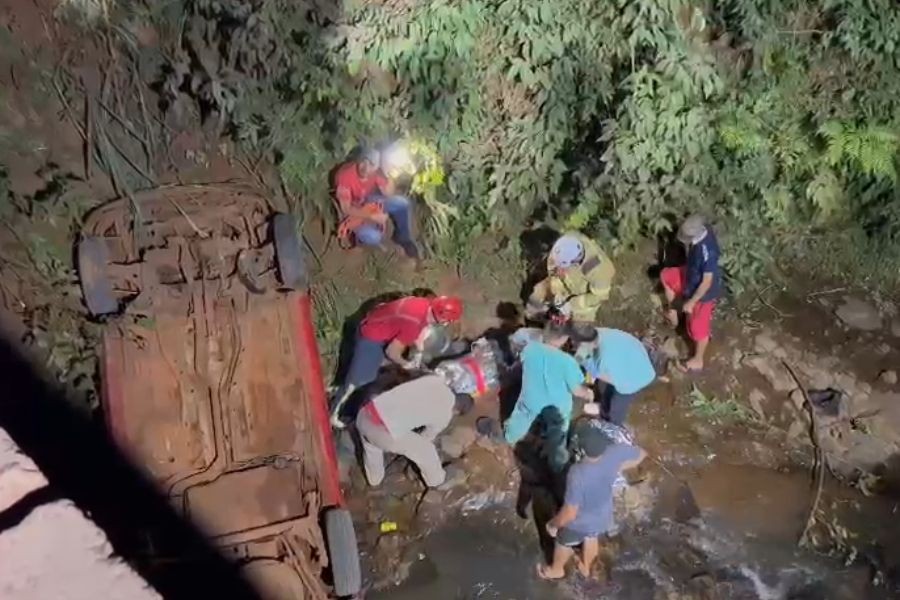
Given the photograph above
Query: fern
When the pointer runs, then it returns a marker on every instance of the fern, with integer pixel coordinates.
(872, 149)
(826, 194)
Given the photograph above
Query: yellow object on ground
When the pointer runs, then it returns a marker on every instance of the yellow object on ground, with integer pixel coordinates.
(388, 526)
(586, 286)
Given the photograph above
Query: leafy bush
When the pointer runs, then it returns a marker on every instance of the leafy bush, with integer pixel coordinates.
(619, 116)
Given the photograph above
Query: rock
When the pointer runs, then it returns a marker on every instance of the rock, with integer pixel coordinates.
(883, 349)
(799, 400)
(765, 343)
(456, 476)
(456, 441)
(859, 314)
(19, 475)
(670, 348)
(777, 375)
(895, 328)
(797, 430)
(736, 357)
(889, 377)
(756, 403)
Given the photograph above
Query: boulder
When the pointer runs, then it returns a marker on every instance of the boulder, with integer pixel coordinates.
(756, 403)
(774, 371)
(888, 377)
(458, 440)
(859, 314)
(765, 343)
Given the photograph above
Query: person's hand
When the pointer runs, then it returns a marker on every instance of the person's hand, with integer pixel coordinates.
(551, 529)
(565, 309)
(379, 218)
(689, 306)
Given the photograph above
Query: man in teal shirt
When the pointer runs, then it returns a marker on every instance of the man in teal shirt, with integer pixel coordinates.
(622, 362)
(550, 377)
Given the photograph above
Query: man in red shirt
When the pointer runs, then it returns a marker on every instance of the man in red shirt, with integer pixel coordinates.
(388, 330)
(366, 199)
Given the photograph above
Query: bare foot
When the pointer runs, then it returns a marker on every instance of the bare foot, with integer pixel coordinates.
(584, 569)
(672, 317)
(547, 573)
(694, 365)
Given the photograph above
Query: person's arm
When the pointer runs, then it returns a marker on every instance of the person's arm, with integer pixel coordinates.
(705, 285)
(584, 392)
(385, 185)
(395, 351)
(634, 462)
(345, 202)
(565, 516)
(575, 382)
(439, 420)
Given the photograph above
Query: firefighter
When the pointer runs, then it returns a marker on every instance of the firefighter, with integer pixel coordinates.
(579, 280)
(388, 331)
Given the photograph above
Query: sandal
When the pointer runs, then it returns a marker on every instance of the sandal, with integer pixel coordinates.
(542, 570)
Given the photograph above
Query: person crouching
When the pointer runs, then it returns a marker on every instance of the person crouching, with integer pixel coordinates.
(405, 420)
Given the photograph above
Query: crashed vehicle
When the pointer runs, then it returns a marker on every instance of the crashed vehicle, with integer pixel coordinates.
(211, 378)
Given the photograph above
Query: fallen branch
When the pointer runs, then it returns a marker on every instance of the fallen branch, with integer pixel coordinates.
(824, 292)
(819, 457)
(759, 296)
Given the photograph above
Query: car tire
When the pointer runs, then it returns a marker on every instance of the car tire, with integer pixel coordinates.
(343, 552)
(96, 286)
(289, 252)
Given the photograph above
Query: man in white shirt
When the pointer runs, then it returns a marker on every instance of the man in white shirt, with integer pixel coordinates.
(389, 421)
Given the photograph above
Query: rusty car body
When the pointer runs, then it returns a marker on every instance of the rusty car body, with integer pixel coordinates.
(211, 378)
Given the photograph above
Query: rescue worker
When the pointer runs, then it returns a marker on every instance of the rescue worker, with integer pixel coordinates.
(366, 199)
(405, 420)
(694, 287)
(550, 377)
(579, 280)
(388, 331)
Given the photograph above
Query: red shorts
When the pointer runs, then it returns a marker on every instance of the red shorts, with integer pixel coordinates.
(699, 322)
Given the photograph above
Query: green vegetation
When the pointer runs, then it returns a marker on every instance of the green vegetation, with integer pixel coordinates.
(714, 409)
(779, 119)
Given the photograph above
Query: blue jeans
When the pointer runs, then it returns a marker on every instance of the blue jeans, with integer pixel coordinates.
(554, 431)
(615, 405)
(399, 209)
(364, 365)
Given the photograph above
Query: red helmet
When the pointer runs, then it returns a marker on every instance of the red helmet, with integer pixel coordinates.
(447, 309)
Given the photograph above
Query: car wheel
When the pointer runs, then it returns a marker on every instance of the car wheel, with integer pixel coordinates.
(289, 251)
(96, 286)
(343, 552)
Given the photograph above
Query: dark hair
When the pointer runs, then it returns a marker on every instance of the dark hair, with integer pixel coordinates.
(553, 330)
(584, 332)
(594, 442)
(464, 403)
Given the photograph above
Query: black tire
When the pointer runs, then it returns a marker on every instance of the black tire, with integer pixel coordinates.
(96, 286)
(343, 552)
(289, 252)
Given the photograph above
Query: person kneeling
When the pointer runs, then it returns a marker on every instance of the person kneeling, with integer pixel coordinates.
(587, 511)
(389, 423)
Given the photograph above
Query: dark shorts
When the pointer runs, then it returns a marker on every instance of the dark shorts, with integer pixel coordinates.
(569, 538)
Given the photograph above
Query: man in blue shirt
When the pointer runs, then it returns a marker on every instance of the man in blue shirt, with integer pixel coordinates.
(587, 511)
(697, 284)
(550, 377)
(619, 360)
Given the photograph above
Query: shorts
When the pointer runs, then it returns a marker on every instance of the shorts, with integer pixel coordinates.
(699, 322)
(570, 538)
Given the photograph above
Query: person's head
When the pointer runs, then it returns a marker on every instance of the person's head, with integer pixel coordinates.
(556, 334)
(692, 230)
(422, 292)
(368, 162)
(594, 443)
(463, 404)
(567, 252)
(446, 309)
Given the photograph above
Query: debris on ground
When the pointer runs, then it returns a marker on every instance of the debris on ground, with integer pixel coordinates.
(859, 314)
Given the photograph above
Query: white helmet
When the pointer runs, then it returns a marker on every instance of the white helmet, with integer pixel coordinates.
(567, 251)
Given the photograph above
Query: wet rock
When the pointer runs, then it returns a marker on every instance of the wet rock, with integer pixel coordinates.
(859, 314)
(888, 377)
(765, 343)
(456, 441)
(797, 430)
(895, 328)
(670, 348)
(736, 357)
(883, 349)
(456, 476)
(756, 403)
(774, 371)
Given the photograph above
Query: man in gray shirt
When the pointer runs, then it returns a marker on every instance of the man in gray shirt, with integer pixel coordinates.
(587, 511)
(405, 420)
